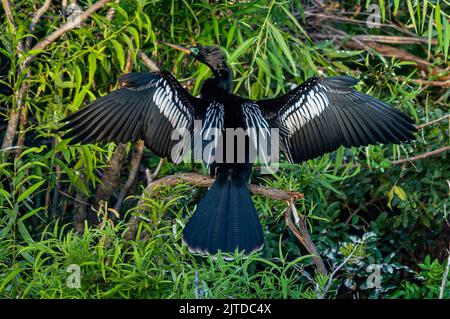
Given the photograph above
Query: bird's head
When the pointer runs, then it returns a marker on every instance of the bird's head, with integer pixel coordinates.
(209, 55)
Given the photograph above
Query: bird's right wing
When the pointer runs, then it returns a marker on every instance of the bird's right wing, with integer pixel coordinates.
(149, 106)
(324, 113)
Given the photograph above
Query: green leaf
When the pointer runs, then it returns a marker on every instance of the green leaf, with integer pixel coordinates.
(92, 60)
(29, 191)
(241, 49)
(400, 193)
(446, 38)
(412, 14)
(120, 55)
(437, 18)
(284, 47)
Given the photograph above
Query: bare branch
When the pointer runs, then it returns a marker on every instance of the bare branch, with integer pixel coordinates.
(421, 156)
(199, 180)
(302, 234)
(152, 176)
(421, 126)
(432, 83)
(65, 28)
(134, 166)
(374, 38)
(148, 62)
(41, 11)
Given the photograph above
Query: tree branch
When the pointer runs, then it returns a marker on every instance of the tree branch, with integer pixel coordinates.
(421, 156)
(302, 234)
(148, 62)
(134, 166)
(41, 11)
(421, 126)
(200, 180)
(65, 28)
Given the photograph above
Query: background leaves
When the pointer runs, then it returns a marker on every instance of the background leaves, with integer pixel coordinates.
(393, 213)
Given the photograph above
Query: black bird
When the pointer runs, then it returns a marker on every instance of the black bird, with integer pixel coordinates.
(315, 118)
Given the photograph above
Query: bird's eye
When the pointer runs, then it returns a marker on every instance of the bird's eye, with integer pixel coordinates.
(194, 51)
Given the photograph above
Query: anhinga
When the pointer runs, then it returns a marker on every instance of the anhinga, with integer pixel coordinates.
(315, 118)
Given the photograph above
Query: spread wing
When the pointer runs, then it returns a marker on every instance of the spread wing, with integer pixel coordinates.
(149, 106)
(324, 113)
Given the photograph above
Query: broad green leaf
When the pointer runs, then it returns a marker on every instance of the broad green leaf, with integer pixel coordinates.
(119, 53)
(29, 191)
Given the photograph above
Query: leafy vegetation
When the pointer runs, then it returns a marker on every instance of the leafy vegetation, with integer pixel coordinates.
(364, 207)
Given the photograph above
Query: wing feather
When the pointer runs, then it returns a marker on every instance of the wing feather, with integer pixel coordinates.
(325, 113)
(149, 106)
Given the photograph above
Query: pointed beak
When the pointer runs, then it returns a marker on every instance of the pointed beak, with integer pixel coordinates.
(178, 47)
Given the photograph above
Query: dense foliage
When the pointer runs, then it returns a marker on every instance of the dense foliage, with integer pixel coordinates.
(364, 208)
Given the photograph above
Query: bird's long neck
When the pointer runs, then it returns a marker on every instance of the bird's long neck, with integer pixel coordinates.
(218, 85)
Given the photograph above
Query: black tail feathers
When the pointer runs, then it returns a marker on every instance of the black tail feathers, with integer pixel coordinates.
(225, 218)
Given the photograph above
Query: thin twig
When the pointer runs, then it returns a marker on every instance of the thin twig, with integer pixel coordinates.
(152, 176)
(330, 280)
(74, 198)
(387, 39)
(421, 126)
(421, 156)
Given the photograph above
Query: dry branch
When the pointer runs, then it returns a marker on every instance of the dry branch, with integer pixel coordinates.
(148, 62)
(111, 175)
(302, 234)
(199, 180)
(421, 156)
(421, 126)
(444, 277)
(386, 39)
(152, 176)
(445, 84)
(134, 166)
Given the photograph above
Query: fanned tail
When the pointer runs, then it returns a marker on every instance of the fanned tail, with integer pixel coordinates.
(225, 218)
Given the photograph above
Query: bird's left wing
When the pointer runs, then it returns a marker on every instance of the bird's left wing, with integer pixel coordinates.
(149, 106)
(324, 113)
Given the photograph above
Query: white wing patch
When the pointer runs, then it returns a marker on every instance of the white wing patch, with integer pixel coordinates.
(258, 129)
(169, 104)
(308, 106)
(212, 128)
